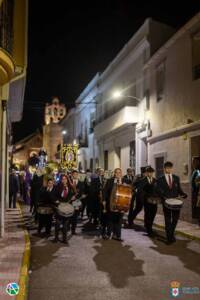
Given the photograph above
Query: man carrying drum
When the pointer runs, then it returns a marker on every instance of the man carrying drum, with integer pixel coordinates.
(117, 202)
(170, 189)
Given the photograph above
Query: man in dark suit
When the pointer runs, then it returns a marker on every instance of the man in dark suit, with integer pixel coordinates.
(77, 192)
(151, 199)
(46, 203)
(139, 196)
(13, 188)
(169, 187)
(114, 218)
(96, 187)
(129, 177)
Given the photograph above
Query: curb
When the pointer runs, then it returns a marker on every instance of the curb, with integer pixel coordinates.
(190, 236)
(24, 275)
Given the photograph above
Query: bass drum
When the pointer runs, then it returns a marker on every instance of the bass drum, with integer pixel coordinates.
(121, 198)
(65, 210)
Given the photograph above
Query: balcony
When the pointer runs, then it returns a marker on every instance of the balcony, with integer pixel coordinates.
(82, 142)
(126, 116)
(6, 42)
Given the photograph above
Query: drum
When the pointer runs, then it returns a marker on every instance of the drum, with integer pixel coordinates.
(65, 210)
(77, 204)
(174, 203)
(121, 198)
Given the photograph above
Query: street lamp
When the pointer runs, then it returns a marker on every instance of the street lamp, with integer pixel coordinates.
(118, 94)
(64, 132)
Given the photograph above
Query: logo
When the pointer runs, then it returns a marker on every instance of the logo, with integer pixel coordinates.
(12, 289)
(175, 289)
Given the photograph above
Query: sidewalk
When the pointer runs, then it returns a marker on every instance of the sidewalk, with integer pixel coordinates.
(14, 254)
(187, 229)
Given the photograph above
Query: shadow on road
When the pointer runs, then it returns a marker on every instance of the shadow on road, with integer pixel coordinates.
(118, 261)
(42, 257)
(189, 258)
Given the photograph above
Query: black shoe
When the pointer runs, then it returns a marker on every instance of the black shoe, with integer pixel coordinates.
(55, 240)
(64, 241)
(105, 237)
(173, 239)
(129, 226)
(151, 233)
(47, 235)
(117, 239)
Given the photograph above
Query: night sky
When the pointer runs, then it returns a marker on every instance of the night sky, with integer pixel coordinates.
(70, 42)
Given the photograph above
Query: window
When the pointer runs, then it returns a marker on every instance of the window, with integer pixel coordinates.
(92, 122)
(106, 160)
(81, 132)
(147, 99)
(132, 155)
(91, 164)
(86, 132)
(196, 55)
(145, 56)
(146, 93)
(160, 80)
(159, 162)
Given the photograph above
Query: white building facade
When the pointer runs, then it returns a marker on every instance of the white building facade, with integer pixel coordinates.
(174, 112)
(85, 116)
(119, 143)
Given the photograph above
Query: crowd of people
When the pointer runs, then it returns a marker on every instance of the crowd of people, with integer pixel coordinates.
(93, 197)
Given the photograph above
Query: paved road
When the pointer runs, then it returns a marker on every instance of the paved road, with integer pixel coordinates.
(93, 269)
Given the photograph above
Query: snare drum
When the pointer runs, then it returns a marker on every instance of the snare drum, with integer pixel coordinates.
(174, 204)
(65, 210)
(77, 204)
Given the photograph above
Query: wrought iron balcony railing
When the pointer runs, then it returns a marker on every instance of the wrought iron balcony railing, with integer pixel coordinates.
(6, 25)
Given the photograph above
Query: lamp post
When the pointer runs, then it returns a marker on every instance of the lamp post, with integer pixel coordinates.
(119, 94)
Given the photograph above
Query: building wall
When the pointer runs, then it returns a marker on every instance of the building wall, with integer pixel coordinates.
(179, 106)
(22, 155)
(181, 95)
(86, 108)
(52, 137)
(175, 119)
(174, 149)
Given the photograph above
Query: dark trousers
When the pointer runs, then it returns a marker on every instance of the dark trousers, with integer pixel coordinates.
(12, 200)
(130, 213)
(65, 223)
(138, 207)
(171, 220)
(115, 224)
(84, 204)
(150, 211)
(45, 221)
(73, 221)
(105, 223)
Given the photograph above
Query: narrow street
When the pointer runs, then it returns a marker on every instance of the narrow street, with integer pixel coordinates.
(91, 268)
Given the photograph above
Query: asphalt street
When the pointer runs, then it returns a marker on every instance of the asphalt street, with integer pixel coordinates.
(89, 268)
